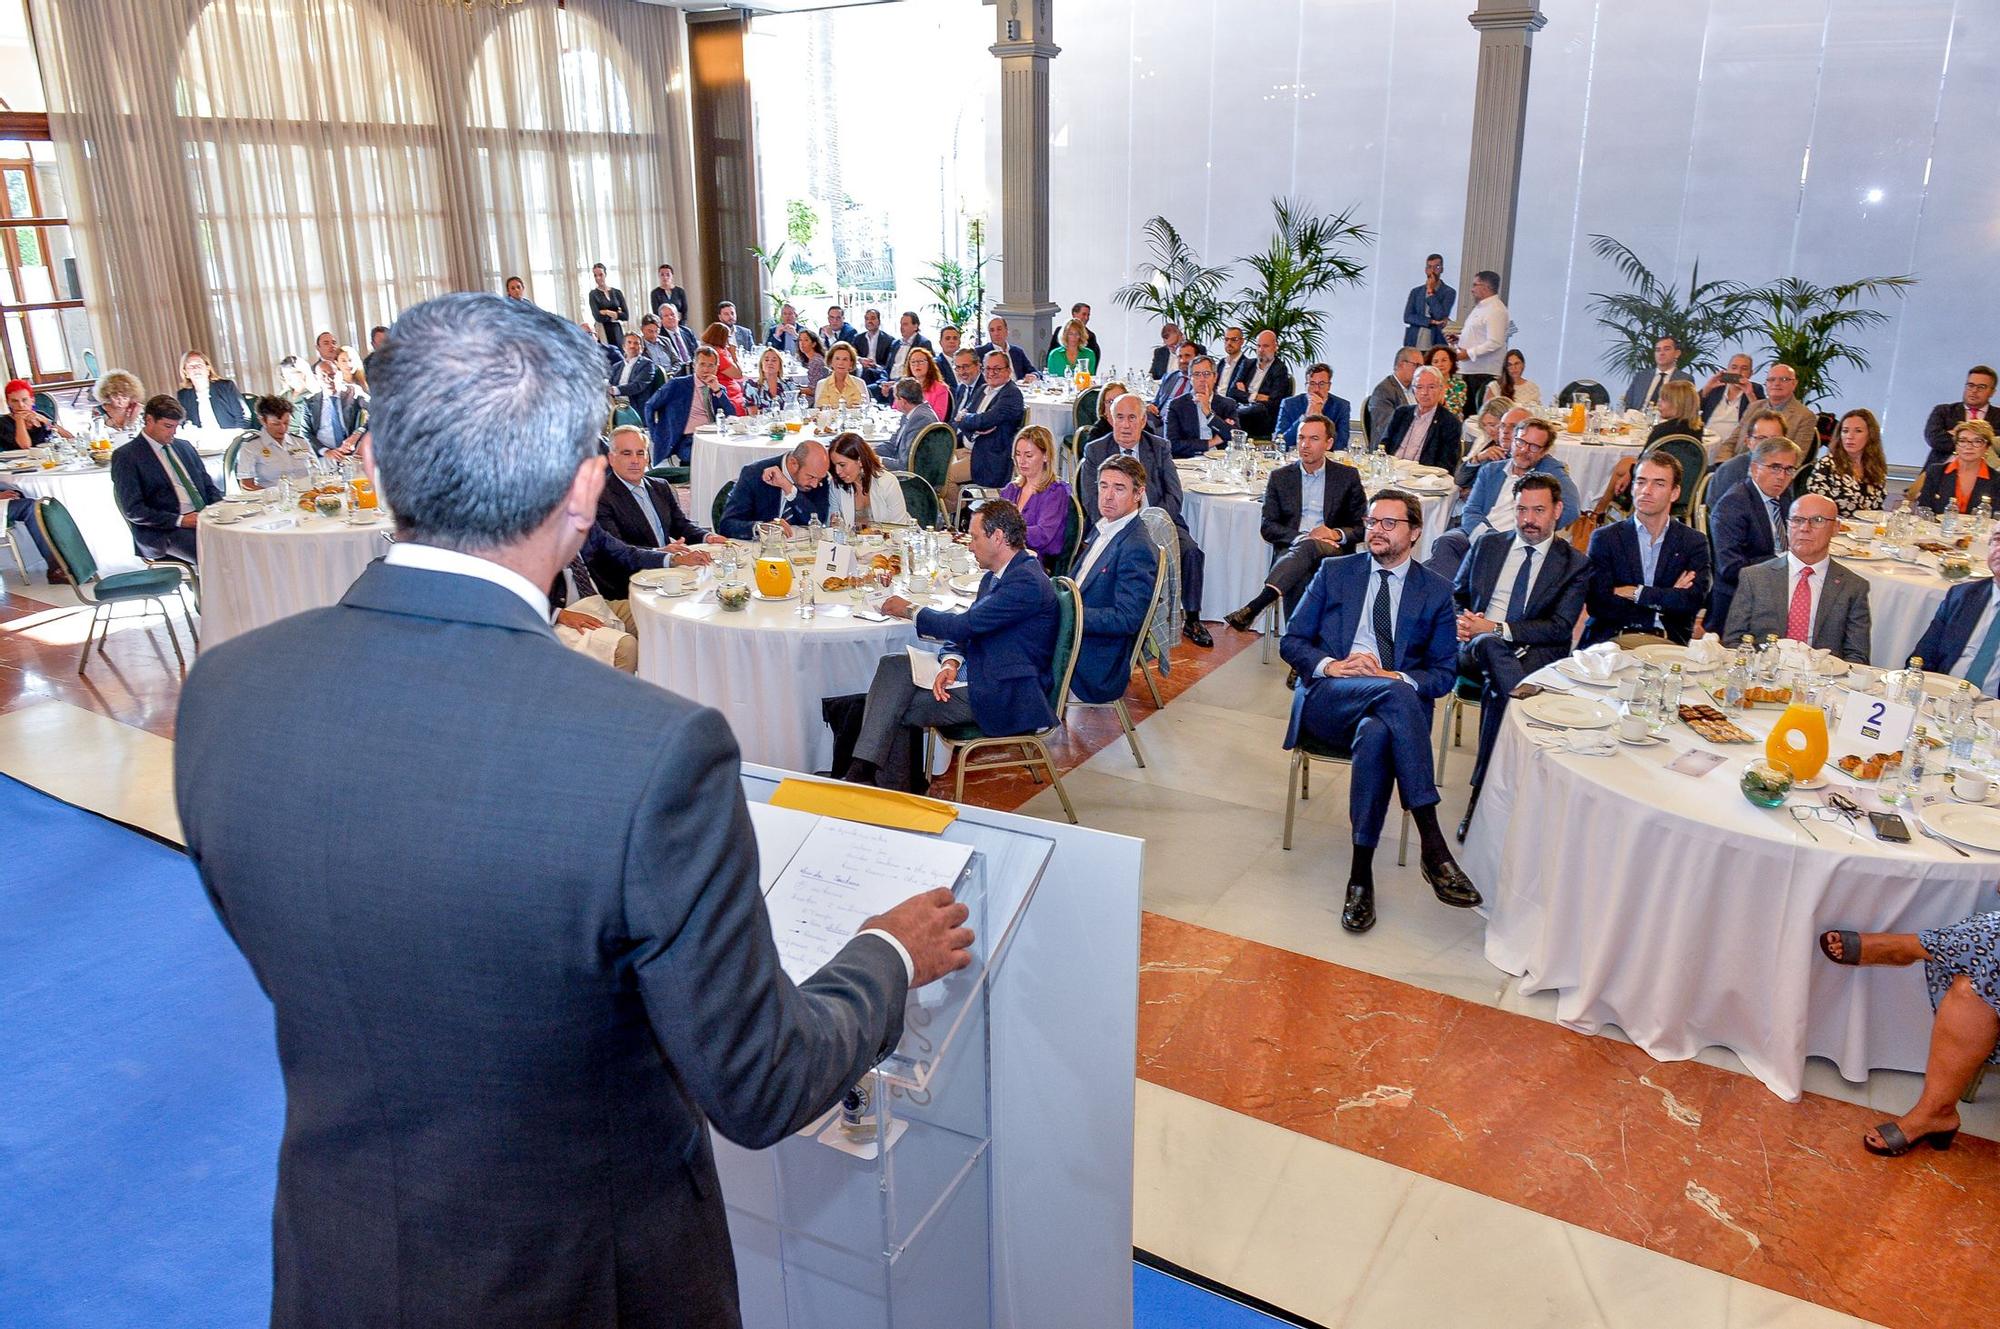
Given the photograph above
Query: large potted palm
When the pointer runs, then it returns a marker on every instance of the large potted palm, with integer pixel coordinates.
(1703, 318)
(1175, 286)
(1308, 256)
(1804, 326)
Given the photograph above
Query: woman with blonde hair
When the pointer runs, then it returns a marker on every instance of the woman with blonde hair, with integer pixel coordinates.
(1680, 411)
(1854, 472)
(120, 410)
(1035, 490)
(1959, 484)
(210, 402)
(767, 391)
(1070, 353)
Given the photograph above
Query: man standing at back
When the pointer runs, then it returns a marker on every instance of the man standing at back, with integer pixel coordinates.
(525, 964)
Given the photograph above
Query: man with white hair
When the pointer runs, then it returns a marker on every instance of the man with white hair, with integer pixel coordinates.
(1424, 432)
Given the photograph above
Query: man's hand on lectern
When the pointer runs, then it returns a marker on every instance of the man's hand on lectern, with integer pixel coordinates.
(931, 928)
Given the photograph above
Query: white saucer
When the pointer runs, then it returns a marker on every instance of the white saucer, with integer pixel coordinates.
(1953, 794)
(1817, 782)
(1650, 740)
(756, 594)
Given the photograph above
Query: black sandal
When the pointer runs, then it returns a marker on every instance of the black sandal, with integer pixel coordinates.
(1896, 1144)
(1850, 947)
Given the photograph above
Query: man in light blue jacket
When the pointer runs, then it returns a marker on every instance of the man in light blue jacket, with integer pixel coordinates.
(1490, 506)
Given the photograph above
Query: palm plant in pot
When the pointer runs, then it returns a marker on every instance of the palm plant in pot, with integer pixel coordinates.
(1804, 326)
(1175, 286)
(1308, 255)
(1704, 318)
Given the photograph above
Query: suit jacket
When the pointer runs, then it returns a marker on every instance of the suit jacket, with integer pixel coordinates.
(1008, 641)
(1486, 489)
(146, 494)
(964, 396)
(667, 411)
(604, 565)
(1950, 630)
(1635, 391)
(1711, 401)
(1162, 364)
(1184, 423)
(1018, 358)
(1277, 384)
(509, 1012)
(636, 381)
(1739, 534)
(1614, 562)
(1542, 629)
(353, 410)
(1293, 409)
(1116, 596)
(783, 339)
(618, 512)
(1940, 488)
(1441, 449)
(1421, 307)
(229, 409)
(1945, 417)
(990, 433)
(1344, 506)
(897, 347)
(895, 454)
(1324, 624)
(1383, 403)
(1163, 482)
(848, 333)
(1763, 601)
(754, 500)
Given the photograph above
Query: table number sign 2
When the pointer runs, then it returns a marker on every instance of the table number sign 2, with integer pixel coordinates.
(1873, 724)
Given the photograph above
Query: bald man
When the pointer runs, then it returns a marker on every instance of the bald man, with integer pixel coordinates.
(1802, 594)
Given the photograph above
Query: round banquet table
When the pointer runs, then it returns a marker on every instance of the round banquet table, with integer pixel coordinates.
(1902, 599)
(720, 457)
(252, 575)
(1590, 464)
(1688, 917)
(1235, 557)
(1054, 411)
(85, 490)
(764, 668)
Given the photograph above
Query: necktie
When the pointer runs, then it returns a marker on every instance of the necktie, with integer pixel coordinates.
(1982, 660)
(1777, 526)
(187, 483)
(1385, 632)
(1517, 607)
(1798, 622)
(1653, 392)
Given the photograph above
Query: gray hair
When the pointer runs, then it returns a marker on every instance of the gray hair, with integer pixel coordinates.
(1497, 407)
(1426, 369)
(1767, 448)
(483, 409)
(1408, 355)
(909, 390)
(1005, 358)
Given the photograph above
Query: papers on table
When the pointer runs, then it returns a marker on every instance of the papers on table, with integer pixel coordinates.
(924, 667)
(840, 874)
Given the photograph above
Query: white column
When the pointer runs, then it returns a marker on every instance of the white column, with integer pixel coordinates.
(1499, 119)
(1024, 49)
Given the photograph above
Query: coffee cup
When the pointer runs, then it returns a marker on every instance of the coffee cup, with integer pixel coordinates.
(1971, 786)
(1633, 727)
(676, 580)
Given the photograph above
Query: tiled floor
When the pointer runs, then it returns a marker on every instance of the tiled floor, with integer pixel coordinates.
(1372, 1130)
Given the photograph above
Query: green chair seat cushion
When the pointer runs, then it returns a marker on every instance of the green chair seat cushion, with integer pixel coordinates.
(1468, 689)
(673, 475)
(138, 583)
(961, 733)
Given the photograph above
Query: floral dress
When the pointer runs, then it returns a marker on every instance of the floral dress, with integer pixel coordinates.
(1849, 494)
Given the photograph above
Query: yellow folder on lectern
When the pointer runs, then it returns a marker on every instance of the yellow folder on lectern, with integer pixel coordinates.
(876, 807)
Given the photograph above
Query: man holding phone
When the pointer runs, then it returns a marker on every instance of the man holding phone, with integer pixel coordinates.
(1729, 394)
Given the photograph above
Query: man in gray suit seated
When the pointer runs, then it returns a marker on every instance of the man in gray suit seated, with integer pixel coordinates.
(1802, 594)
(1392, 393)
(908, 400)
(523, 966)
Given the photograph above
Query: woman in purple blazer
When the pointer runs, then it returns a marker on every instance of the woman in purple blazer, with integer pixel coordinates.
(1043, 499)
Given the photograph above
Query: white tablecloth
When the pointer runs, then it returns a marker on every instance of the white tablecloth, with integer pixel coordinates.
(1590, 464)
(251, 577)
(1057, 414)
(86, 492)
(1686, 916)
(1902, 599)
(1236, 559)
(764, 668)
(719, 458)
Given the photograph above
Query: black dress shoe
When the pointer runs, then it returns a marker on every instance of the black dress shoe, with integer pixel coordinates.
(1358, 915)
(1451, 886)
(1193, 630)
(1243, 620)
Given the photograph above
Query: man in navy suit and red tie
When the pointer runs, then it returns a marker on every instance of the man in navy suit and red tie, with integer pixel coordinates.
(1374, 643)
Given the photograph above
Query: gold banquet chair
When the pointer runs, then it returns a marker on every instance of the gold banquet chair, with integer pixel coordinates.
(1118, 706)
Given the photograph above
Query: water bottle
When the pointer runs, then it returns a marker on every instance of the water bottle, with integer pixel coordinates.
(815, 530)
(1913, 684)
(1948, 524)
(1670, 693)
(808, 607)
(1964, 729)
(1907, 787)
(1736, 678)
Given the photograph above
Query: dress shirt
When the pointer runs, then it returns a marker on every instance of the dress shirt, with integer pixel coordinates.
(1653, 389)
(1201, 419)
(700, 410)
(1106, 532)
(1729, 414)
(1813, 588)
(1257, 380)
(652, 514)
(329, 421)
(1482, 341)
(661, 352)
(1413, 442)
(1649, 547)
(986, 400)
(1498, 607)
(1501, 515)
(1312, 497)
(629, 370)
(1226, 374)
(1972, 644)
(1364, 629)
(432, 558)
(172, 466)
(209, 420)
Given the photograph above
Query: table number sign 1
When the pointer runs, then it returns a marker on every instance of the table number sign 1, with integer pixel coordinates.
(1873, 724)
(834, 560)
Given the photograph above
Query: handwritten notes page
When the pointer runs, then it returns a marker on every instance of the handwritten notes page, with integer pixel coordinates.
(843, 874)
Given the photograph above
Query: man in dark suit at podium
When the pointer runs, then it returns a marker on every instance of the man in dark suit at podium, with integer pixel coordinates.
(526, 966)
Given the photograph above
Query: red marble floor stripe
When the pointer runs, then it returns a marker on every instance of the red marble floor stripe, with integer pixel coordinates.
(1699, 1163)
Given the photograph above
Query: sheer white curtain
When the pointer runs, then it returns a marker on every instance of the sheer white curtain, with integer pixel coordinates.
(250, 172)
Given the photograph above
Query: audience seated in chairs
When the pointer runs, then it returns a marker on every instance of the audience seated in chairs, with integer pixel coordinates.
(1392, 394)
(1959, 484)
(1261, 386)
(1748, 524)
(1114, 574)
(161, 485)
(1519, 595)
(1373, 644)
(121, 405)
(842, 385)
(1490, 437)
(1044, 500)
(642, 512)
(1425, 432)
(1019, 364)
(684, 405)
(337, 415)
(1496, 490)
(789, 490)
(992, 414)
(1962, 640)
(1004, 643)
(1204, 417)
(768, 390)
(265, 456)
(638, 377)
(208, 402)
(1975, 403)
(1802, 594)
(1130, 438)
(1649, 574)
(917, 416)
(1177, 382)
(1313, 509)
(26, 427)
(1317, 399)
(861, 490)
(1853, 471)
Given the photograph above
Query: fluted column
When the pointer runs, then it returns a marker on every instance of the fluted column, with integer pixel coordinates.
(1024, 49)
(1499, 120)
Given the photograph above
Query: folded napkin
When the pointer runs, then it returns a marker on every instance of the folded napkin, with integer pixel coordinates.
(276, 524)
(1797, 655)
(1580, 742)
(1600, 662)
(1706, 652)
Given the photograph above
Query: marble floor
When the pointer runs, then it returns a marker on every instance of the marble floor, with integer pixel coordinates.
(1364, 1131)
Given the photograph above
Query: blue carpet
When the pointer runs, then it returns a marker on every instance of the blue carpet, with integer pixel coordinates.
(142, 1106)
(1161, 1301)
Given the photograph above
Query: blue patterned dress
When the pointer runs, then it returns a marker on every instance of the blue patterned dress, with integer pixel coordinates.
(1971, 948)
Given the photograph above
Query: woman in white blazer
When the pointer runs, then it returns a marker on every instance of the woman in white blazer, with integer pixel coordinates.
(863, 489)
